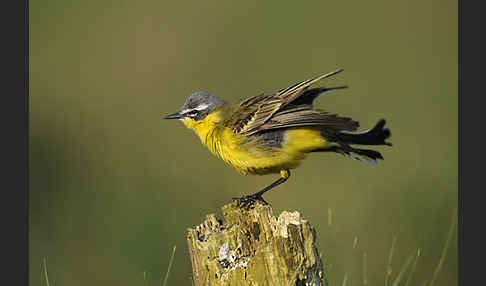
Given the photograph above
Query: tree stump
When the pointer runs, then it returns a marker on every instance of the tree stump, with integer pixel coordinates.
(253, 247)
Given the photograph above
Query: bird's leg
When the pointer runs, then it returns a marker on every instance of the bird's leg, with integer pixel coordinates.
(284, 175)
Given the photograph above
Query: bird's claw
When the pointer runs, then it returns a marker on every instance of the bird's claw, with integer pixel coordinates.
(249, 200)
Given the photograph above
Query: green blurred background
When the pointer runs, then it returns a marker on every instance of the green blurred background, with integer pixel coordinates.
(113, 187)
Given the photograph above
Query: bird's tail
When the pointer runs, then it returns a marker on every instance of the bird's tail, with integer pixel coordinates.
(375, 136)
(369, 157)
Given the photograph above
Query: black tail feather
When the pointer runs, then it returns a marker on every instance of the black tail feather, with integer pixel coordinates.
(375, 136)
(372, 154)
(369, 156)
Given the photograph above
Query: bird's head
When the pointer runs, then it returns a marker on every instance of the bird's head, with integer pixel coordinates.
(196, 108)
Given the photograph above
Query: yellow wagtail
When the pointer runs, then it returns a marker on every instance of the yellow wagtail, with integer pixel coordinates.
(273, 133)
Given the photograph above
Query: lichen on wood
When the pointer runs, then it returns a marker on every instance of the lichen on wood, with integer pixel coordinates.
(251, 246)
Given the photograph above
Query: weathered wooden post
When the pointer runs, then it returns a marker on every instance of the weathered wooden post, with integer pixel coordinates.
(250, 246)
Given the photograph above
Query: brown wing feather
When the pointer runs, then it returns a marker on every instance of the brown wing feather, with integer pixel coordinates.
(254, 112)
(305, 115)
(246, 110)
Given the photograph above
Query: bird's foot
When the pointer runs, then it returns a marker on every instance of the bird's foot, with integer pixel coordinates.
(249, 200)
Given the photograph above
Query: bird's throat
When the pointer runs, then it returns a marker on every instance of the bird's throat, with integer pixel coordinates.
(205, 129)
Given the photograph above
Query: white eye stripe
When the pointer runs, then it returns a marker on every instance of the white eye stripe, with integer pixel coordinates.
(197, 108)
(201, 107)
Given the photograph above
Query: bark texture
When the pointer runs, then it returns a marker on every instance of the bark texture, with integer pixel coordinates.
(251, 246)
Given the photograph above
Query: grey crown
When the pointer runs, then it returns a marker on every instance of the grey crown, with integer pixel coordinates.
(200, 104)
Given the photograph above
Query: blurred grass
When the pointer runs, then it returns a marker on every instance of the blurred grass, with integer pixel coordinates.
(390, 258)
(46, 275)
(414, 266)
(404, 268)
(399, 279)
(112, 184)
(171, 260)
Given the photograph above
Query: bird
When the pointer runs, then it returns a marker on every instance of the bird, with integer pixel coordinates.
(272, 133)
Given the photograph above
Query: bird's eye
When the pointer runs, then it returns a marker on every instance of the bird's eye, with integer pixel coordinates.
(192, 113)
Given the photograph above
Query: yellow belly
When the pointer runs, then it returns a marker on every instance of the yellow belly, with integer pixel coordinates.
(251, 157)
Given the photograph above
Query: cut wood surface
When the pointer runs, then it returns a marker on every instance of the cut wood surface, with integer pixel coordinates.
(251, 246)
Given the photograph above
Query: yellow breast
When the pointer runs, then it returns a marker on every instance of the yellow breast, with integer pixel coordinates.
(248, 156)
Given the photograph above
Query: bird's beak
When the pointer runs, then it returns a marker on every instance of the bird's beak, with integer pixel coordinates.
(176, 115)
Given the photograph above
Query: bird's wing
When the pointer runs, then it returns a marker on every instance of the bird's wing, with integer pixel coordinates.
(253, 113)
(305, 115)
